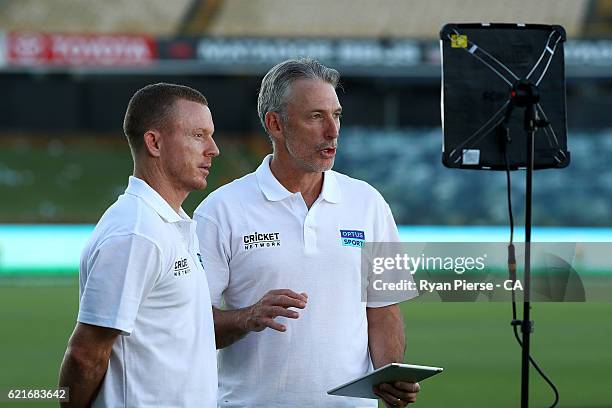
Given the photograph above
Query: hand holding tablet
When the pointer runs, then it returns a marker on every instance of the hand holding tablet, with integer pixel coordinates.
(362, 387)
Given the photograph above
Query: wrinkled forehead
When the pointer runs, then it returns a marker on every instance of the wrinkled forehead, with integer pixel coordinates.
(312, 93)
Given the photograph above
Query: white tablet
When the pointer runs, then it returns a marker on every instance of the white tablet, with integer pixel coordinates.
(362, 387)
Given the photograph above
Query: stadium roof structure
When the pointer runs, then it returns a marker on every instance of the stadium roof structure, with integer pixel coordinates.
(158, 17)
(384, 18)
(287, 18)
(369, 38)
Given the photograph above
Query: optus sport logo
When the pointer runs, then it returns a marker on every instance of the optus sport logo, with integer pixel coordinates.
(352, 238)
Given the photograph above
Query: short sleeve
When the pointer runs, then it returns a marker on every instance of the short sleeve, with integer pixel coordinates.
(386, 232)
(386, 229)
(120, 274)
(215, 252)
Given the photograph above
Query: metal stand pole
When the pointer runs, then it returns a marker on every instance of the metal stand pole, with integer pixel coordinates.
(526, 326)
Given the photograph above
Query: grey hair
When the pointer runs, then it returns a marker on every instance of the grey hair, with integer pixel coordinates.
(276, 84)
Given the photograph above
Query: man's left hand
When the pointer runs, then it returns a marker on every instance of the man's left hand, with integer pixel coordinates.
(397, 394)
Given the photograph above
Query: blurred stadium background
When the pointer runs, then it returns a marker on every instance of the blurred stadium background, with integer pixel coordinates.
(68, 68)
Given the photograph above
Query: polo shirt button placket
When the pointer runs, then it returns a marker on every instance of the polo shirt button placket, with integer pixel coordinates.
(310, 238)
(183, 231)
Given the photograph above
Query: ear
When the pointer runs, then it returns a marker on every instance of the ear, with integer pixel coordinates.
(152, 143)
(274, 124)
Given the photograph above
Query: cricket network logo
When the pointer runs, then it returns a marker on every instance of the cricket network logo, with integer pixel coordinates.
(181, 267)
(261, 240)
(352, 238)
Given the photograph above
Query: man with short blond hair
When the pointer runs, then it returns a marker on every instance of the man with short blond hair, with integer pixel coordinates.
(144, 335)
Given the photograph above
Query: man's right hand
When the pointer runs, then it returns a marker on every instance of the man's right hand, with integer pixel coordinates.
(273, 304)
(232, 325)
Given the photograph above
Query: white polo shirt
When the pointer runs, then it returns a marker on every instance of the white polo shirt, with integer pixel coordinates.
(255, 236)
(140, 273)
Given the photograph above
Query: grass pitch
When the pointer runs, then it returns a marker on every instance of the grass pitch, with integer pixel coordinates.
(472, 341)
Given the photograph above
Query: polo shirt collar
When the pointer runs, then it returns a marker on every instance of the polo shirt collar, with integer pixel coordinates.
(275, 191)
(141, 189)
(331, 189)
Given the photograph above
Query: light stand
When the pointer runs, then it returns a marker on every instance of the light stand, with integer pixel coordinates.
(526, 95)
(488, 70)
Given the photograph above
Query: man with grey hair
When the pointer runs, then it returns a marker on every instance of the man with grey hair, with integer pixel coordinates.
(275, 241)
